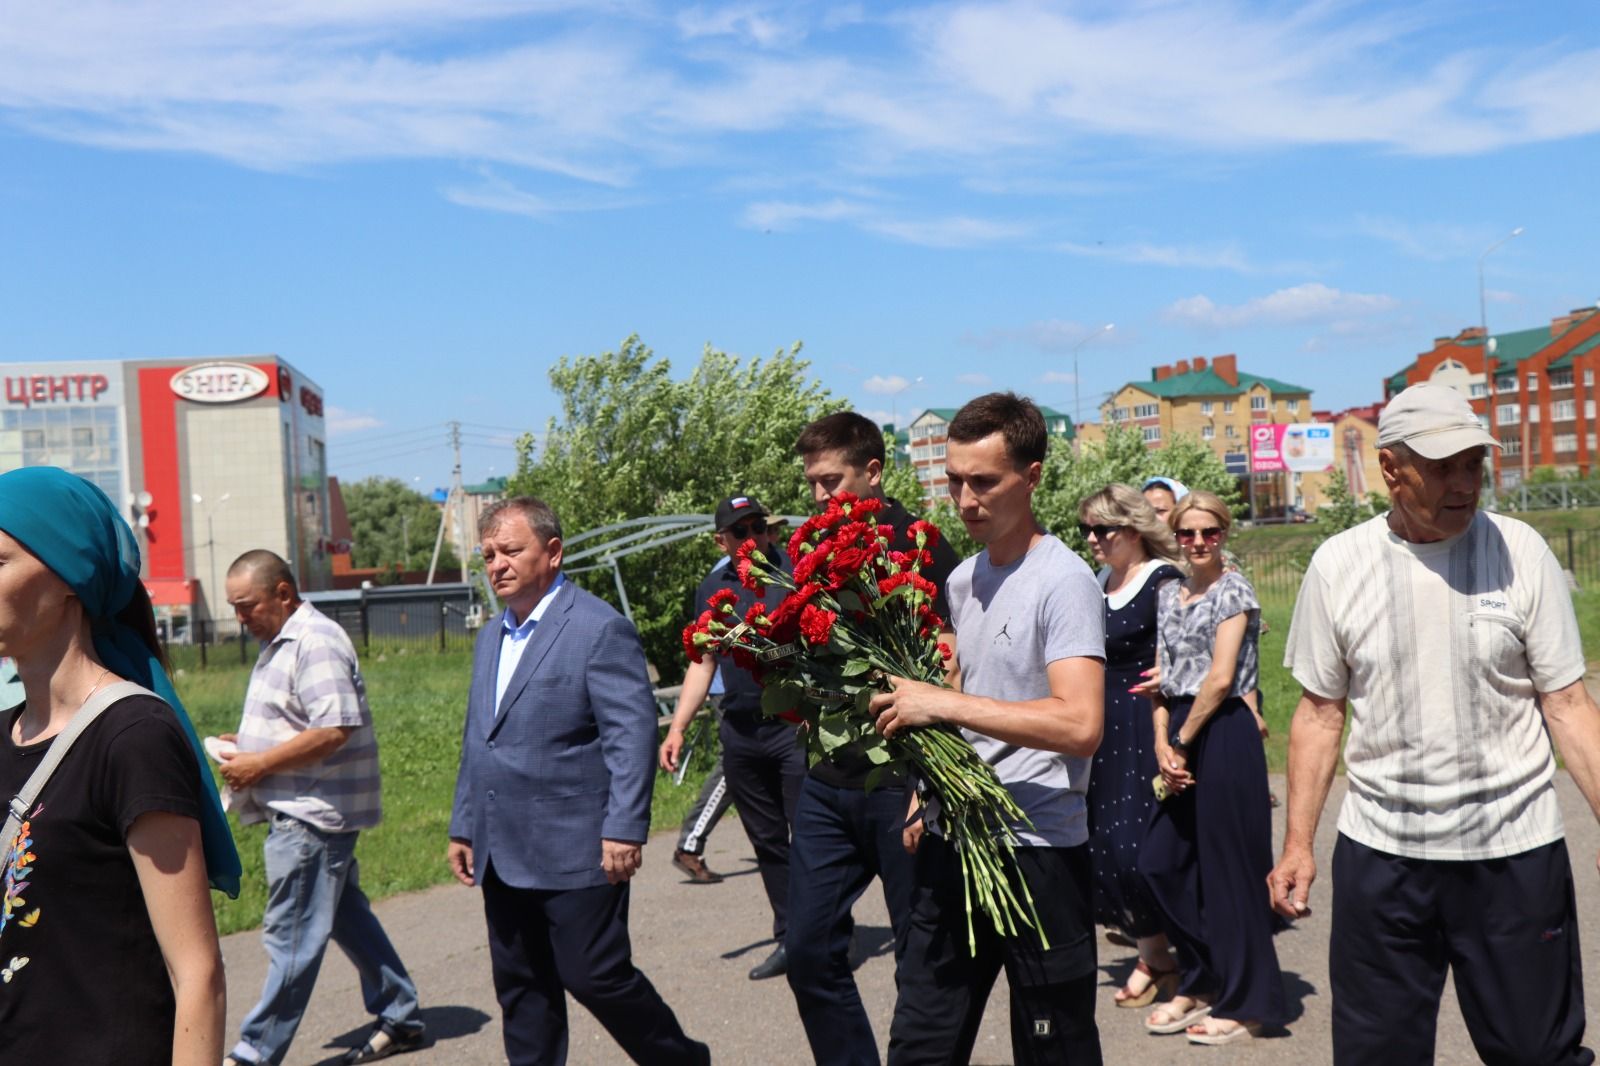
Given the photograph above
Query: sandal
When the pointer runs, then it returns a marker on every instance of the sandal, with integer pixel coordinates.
(1177, 1018)
(1156, 980)
(1211, 1035)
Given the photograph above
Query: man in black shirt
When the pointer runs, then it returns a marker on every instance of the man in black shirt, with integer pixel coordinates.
(762, 759)
(845, 835)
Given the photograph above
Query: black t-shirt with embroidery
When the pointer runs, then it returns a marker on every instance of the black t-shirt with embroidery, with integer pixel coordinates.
(82, 979)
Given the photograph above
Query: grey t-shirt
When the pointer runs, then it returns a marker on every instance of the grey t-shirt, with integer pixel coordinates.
(1011, 623)
(1186, 634)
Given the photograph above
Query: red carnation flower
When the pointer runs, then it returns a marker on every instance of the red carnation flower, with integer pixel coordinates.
(944, 651)
(806, 565)
(690, 647)
(926, 534)
(863, 508)
(847, 563)
(722, 601)
(756, 614)
(745, 563)
(788, 612)
(816, 625)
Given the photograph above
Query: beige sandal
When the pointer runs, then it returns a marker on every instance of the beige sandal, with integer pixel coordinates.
(1178, 1018)
(1159, 981)
(1212, 1035)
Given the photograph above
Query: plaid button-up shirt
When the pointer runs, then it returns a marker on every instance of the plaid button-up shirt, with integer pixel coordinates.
(307, 678)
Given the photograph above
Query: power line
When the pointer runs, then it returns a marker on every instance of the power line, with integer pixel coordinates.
(432, 427)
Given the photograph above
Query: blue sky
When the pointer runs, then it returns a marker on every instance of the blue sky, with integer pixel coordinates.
(423, 204)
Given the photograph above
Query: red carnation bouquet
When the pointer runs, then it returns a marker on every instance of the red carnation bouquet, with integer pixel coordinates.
(857, 612)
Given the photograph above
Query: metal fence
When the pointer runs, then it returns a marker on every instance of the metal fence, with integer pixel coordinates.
(1555, 495)
(414, 618)
(1276, 574)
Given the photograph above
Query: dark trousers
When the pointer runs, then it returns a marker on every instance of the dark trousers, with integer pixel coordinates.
(543, 944)
(1507, 928)
(1206, 857)
(843, 838)
(764, 765)
(944, 987)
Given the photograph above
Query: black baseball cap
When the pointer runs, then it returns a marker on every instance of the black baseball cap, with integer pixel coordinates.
(737, 508)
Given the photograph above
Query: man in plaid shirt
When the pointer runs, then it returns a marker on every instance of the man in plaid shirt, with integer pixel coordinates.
(307, 763)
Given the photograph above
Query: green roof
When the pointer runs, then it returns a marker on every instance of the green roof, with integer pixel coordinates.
(1521, 345)
(945, 413)
(1208, 382)
(1566, 360)
(495, 486)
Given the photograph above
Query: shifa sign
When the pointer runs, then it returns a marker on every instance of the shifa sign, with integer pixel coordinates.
(219, 382)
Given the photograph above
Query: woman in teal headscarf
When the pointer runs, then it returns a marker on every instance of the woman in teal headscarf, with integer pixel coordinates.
(107, 942)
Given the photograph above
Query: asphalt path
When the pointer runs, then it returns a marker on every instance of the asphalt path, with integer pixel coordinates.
(696, 943)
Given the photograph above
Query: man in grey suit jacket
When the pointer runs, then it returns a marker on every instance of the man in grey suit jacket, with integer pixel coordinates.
(552, 803)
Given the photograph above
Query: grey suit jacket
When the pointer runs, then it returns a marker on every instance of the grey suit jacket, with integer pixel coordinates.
(570, 758)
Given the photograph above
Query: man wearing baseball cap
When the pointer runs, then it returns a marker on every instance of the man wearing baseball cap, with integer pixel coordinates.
(762, 759)
(1449, 635)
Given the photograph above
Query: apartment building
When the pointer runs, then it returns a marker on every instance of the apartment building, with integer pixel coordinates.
(1211, 400)
(1534, 389)
(928, 433)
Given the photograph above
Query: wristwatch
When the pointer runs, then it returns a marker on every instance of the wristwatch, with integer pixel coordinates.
(1176, 744)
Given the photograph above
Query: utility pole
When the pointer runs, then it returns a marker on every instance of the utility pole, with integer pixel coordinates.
(455, 498)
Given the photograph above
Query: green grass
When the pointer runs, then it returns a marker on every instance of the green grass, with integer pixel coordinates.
(417, 705)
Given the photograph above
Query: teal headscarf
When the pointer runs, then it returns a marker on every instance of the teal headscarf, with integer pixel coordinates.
(75, 530)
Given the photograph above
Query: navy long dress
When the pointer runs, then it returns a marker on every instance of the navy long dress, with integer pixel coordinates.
(1209, 848)
(1121, 802)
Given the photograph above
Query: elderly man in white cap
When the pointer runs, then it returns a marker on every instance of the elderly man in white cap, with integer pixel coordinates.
(1450, 636)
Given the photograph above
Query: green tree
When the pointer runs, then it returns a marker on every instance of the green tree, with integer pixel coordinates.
(393, 526)
(632, 441)
(1122, 457)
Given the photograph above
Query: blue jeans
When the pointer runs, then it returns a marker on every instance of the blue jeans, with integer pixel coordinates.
(314, 894)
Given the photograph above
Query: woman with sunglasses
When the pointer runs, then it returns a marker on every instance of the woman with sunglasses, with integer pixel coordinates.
(1137, 552)
(1211, 839)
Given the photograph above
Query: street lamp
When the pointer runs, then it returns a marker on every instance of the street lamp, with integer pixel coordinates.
(1077, 406)
(211, 552)
(1488, 351)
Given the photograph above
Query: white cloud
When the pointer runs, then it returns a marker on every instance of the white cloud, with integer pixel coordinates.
(881, 416)
(1501, 296)
(1224, 257)
(1311, 302)
(1051, 335)
(977, 381)
(1057, 377)
(881, 385)
(496, 194)
(341, 421)
(1434, 242)
(598, 93)
(937, 232)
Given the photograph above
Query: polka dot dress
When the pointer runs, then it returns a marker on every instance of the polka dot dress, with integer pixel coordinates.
(1120, 800)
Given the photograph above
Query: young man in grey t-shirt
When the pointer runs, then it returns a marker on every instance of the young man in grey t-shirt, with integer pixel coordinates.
(1030, 643)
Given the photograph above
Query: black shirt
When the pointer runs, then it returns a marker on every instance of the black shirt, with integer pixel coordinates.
(847, 770)
(741, 691)
(94, 987)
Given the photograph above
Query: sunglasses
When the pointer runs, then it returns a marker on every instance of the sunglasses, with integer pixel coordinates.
(1100, 531)
(1210, 534)
(744, 530)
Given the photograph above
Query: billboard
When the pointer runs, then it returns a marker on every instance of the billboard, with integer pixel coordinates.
(1300, 447)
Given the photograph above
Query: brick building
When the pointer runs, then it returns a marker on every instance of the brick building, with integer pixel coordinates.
(928, 433)
(1534, 389)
